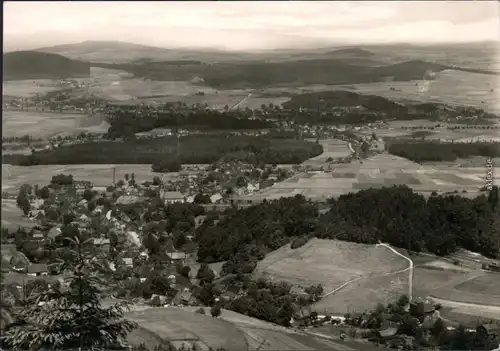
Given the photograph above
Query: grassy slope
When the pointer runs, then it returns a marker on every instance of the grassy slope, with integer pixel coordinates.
(327, 262)
(231, 329)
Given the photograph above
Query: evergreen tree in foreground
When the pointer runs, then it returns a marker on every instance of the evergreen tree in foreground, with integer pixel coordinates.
(71, 317)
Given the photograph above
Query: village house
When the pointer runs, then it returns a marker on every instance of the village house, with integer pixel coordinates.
(102, 243)
(387, 334)
(82, 184)
(129, 199)
(128, 261)
(37, 204)
(38, 235)
(158, 300)
(53, 233)
(37, 270)
(228, 296)
(421, 307)
(184, 297)
(252, 187)
(171, 197)
(215, 198)
(299, 292)
(36, 214)
(177, 257)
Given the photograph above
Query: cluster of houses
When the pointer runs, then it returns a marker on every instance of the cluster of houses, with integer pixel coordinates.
(241, 178)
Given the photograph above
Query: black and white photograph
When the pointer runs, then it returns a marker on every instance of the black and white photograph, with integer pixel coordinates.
(250, 176)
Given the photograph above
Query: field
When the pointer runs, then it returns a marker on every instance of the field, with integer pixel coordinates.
(449, 86)
(180, 326)
(331, 148)
(464, 291)
(327, 262)
(121, 88)
(100, 175)
(37, 124)
(231, 331)
(364, 294)
(26, 88)
(356, 277)
(381, 170)
(12, 216)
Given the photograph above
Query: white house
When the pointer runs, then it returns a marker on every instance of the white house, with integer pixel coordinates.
(171, 197)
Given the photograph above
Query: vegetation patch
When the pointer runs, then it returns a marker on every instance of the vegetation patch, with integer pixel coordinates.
(437, 151)
(195, 149)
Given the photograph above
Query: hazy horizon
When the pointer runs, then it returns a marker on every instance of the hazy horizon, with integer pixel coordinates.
(249, 26)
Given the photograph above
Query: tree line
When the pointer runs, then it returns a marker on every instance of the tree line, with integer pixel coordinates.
(131, 120)
(396, 215)
(421, 151)
(194, 149)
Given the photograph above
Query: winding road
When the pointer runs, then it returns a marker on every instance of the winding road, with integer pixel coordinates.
(410, 268)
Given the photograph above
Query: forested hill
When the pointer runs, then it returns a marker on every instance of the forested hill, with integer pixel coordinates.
(259, 74)
(20, 65)
(331, 99)
(439, 225)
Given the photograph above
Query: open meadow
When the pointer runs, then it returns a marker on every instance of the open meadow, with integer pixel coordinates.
(100, 175)
(463, 289)
(122, 88)
(45, 125)
(231, 330)
(184, 327)
(382, 170)
(451, 87)
(27, 88)
(12, 216)
(331, 148)
(327, 262)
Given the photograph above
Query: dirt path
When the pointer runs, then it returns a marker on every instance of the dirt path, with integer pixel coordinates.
(410, 268)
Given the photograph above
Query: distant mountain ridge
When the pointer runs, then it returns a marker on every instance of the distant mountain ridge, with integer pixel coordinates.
(19, 65)
(121, 52)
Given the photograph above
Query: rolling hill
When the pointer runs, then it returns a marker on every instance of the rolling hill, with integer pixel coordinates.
(19, 65)
(260, 74)
(107, 51)
(124, 52)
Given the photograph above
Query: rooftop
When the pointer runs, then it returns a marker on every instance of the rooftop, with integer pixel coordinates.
(173, 195)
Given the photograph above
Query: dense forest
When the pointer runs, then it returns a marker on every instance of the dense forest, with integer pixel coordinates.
(420, 151)
(262, 74)
(398, 216)
(20, 65)
(194, 149)
(127, 121)
(333, 99)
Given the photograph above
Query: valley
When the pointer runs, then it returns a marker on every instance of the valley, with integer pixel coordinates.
(327, 198)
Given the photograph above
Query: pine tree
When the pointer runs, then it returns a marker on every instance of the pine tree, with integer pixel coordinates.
(22, 200)
(65, 318)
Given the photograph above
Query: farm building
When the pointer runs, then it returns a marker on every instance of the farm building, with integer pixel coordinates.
(387, 334)
(421, 307)
(184, 297)
(171, 197)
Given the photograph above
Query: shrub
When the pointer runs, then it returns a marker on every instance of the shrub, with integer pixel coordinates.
(300, 241)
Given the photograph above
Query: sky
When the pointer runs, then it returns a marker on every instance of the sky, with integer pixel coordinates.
(242, 25)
